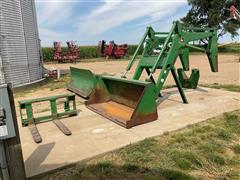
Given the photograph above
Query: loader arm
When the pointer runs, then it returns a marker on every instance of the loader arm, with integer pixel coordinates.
(130, 64)
(176, 43)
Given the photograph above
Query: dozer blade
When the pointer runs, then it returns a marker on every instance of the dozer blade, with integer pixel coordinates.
(82, 82)
(126, 102)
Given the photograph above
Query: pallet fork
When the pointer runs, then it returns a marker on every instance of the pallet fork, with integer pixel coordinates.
(130, 102)
(31, 121)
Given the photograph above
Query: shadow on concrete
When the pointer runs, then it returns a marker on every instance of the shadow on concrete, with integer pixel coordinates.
(200, 89)
(38, 156)
(167, 94)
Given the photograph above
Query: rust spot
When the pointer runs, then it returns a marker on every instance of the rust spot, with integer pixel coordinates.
(121, 114)
(114, 110)
(142, 119)
(118, 101)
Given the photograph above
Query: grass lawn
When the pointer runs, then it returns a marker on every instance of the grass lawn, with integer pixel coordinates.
(209, 150)
(228, 87)
(51, 84)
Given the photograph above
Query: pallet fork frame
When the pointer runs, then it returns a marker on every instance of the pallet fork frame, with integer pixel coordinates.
(31, 121)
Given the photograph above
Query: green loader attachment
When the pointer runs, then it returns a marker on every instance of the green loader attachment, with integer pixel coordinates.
(83, 82)
(131, 101)
(126, 102)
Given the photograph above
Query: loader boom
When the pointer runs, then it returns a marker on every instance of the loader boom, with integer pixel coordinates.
(132, 101)
(176, 43)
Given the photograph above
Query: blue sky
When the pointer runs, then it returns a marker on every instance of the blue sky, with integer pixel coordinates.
(88, 21)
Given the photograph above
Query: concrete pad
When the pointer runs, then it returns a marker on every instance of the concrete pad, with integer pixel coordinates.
(93, 135)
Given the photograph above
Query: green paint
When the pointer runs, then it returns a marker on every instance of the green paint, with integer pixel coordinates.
(191, 82)
(161, 51)
(30, 119)
(83, 81)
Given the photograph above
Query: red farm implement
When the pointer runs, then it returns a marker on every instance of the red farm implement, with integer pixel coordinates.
(71, 55)
(233, 10)
(112, 50)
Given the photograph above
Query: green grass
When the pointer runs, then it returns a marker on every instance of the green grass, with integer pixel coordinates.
(236, 148)
(51, 84)
(229, 87)
(230, 48)
(209, 150)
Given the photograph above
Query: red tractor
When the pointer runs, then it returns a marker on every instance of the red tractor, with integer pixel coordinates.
(71, 55)
(113, 50)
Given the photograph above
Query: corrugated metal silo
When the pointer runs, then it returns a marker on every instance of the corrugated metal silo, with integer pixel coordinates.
(20, 57)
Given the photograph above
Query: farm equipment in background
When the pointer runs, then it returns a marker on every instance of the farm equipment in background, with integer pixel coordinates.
(234, 12)
(112, 50)
(71, 55)
(130, 102)
(52, 72)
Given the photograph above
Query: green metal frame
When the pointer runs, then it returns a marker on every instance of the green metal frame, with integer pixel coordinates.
(190, 82)
(171, 45)
(30, 119)
(132, 101)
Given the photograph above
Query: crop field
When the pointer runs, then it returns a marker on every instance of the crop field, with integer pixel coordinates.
(88, 52)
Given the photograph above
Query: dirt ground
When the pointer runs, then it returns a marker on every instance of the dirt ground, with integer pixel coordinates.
(229, 68)
(229, 73)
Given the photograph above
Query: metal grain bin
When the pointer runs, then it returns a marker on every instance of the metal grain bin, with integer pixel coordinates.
(20, 52)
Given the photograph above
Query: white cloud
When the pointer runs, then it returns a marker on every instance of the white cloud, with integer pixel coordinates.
(90, 27)
(111, 14)
(48, 36)
(51, 13)
(116, 13)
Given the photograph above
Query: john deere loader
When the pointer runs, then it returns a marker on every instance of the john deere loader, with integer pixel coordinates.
(131, 101)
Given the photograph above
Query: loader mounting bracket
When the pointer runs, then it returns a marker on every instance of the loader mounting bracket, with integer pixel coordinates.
(189, 82)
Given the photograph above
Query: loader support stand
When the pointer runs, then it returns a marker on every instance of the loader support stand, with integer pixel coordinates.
(138, 73)
(179, 86)
(188, 82)
(152, 79)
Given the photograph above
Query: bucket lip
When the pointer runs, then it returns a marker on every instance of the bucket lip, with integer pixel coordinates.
(130, 81)
(72, 67)
(70, 87)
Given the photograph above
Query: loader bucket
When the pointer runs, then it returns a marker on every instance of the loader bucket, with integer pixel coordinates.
(82, 82)
(125, 102)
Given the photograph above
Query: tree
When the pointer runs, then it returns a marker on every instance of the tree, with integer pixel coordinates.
(212, 13)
